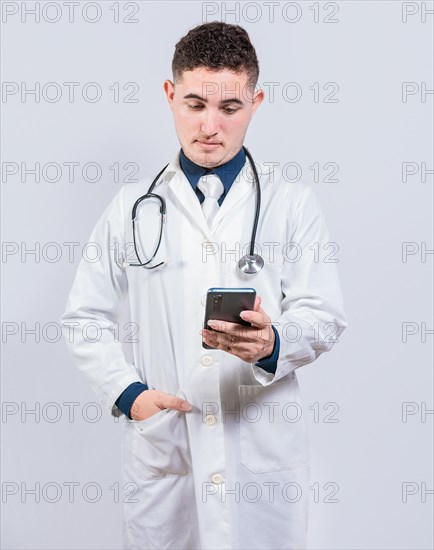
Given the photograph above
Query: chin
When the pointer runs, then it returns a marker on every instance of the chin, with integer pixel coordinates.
(204, 158)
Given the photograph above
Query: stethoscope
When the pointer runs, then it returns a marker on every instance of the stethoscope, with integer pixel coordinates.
(250, 263)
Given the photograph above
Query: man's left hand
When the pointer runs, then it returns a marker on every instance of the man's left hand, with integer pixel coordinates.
(248, 343)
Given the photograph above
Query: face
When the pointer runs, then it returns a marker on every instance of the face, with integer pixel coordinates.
(211, 111)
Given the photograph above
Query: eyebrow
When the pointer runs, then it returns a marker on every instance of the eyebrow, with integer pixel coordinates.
(224, 101)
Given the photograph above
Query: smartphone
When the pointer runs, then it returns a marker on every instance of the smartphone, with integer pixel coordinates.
(226, 304)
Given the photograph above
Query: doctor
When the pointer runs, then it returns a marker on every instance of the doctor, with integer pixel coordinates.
(214, 440)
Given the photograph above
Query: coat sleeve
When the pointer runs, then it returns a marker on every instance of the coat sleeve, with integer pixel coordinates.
(312, 314)
(93, 306)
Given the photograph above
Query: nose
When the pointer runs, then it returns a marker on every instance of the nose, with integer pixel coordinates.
(210, 123)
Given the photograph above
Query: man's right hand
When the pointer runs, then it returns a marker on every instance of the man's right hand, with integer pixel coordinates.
(149, 402)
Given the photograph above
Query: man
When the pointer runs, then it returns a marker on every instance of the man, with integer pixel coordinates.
(214, 440)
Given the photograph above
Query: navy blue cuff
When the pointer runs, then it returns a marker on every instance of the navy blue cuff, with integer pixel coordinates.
(270, 363)
(127, 397)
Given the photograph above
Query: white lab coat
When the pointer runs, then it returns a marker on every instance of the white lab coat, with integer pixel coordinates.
(233, 472)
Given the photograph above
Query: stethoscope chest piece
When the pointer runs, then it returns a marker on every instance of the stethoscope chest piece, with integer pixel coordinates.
(251, 263)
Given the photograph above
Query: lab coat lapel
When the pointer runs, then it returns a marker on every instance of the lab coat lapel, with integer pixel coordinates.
(188, 201)
(239, 188)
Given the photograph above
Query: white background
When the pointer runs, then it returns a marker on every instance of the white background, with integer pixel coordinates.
(368, 456)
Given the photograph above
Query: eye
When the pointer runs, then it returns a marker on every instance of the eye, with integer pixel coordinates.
(231, 111)
(195, 107)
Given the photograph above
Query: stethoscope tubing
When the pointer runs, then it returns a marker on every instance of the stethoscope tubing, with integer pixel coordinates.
(149, 194)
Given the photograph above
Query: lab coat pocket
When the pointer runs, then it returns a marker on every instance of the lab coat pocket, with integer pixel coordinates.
(160, 445)
(272, 430)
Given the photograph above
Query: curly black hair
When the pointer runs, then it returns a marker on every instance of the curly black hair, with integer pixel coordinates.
(216, 46)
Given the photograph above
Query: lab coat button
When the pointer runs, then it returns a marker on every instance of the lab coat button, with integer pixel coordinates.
(210, 419)
(206, 360)
(217, 478)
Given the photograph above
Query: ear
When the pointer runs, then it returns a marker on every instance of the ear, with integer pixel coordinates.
(258, 98)
(169, 88)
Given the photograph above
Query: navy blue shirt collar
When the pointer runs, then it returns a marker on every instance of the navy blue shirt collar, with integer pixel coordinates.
(227, 172)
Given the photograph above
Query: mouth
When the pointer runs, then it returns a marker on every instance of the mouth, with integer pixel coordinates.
(207, 145)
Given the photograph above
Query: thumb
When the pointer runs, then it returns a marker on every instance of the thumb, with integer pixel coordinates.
(257, 306)
(176, 403)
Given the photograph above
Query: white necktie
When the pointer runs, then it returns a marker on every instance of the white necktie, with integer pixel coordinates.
(212, 187)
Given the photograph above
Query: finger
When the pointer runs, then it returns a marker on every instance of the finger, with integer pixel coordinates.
(208, 338)
(222, 341)
(175, 403)
(213, 338)
(258, 319)
(233, 328)
(220, 338)
(257, 305)
(236, 329)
